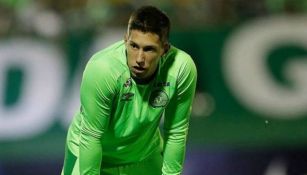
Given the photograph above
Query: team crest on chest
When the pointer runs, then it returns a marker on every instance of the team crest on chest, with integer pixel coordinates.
(158, 98)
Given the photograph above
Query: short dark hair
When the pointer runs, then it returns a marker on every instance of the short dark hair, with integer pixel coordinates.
(150, 19)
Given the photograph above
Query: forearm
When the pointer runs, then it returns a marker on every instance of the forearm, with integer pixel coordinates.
(174, 153)
(90, 155)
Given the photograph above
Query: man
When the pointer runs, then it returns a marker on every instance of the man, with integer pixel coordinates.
(125, 91)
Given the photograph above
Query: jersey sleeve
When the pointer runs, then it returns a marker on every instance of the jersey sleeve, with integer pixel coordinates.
(97, 93)
(176, 120)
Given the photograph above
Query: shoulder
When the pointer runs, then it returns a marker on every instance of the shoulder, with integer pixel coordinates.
(178, 61)
(109, 60)
(107, 64)
(183, 70)
(112, 53)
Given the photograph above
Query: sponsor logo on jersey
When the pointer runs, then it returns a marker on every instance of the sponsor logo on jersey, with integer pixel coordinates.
(158, 98)
(127, 96)
(162, 84)
(128, 83)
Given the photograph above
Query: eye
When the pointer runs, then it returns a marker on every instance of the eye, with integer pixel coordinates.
(149, 49)
(133, 45)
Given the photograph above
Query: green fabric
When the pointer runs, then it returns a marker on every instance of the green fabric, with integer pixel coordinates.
(149, 166)
(70, 160)
(118, 122)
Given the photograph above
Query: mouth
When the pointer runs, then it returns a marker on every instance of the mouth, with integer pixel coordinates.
(138, 69)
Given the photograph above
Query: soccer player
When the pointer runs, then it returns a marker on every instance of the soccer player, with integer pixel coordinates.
(125, 90)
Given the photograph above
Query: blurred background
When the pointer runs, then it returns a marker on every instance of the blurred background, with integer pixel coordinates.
(250, 111)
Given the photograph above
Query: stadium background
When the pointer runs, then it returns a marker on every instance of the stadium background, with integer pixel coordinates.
(250, 110)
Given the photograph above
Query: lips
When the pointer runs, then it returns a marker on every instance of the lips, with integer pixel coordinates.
(138, 69)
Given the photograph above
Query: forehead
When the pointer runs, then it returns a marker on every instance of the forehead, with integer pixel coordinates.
(144, 38)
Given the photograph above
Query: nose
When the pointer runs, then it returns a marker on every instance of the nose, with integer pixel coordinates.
(140, 60)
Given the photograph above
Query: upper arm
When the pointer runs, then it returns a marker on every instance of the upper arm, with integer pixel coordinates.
(97, 92)
(179, 108)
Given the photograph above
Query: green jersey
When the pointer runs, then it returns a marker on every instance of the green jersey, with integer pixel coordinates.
(118, 122)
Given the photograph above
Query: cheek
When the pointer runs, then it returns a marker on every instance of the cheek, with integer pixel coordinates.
(130, 56)
(152, 59)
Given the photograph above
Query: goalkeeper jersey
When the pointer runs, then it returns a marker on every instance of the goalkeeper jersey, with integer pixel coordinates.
(118, 122)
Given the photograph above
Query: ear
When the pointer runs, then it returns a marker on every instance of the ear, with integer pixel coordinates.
(126, 37)
(166, 47)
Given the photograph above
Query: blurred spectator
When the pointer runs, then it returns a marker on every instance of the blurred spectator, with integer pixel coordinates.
(81, 15)
(249, 9)
(286, 6)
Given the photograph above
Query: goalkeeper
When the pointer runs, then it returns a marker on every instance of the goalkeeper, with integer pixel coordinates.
(125, 90)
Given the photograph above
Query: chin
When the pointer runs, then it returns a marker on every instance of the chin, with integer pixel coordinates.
(138, 76)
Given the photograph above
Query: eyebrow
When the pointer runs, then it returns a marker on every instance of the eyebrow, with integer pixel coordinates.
(146, 47)
(150, 48)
